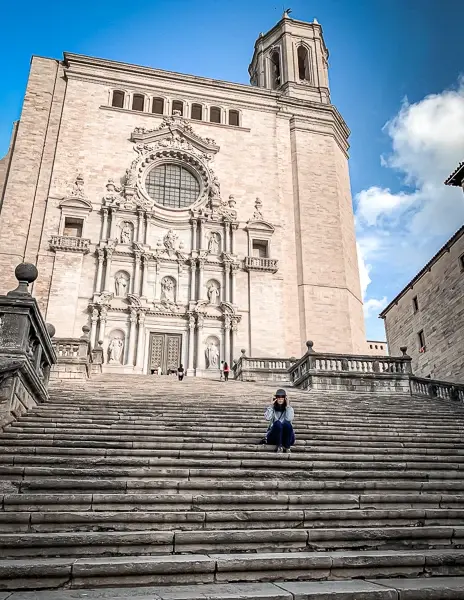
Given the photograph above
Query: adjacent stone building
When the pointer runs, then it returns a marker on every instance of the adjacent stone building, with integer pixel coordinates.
(184, 218)
(427, 316)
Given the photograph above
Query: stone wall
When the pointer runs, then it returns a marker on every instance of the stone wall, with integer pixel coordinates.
(440, 315)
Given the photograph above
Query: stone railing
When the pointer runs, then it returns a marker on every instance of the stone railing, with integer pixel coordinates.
(437, 389)
(255, 263)
(261, 369)
(75, 358)
(349, 372)
(26, 351)
(69, 244)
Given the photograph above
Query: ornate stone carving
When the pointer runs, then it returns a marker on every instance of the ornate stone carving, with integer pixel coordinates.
(115, 350)
(127, 232)
(213, 291)
(121, 284)
(258, 215)
(212, 353)
(213, 243)
(170, 241)
(134, 301)
(77, 190)
(104, 298)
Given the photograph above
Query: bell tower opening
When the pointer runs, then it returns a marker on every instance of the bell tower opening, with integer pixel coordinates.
(275, 69)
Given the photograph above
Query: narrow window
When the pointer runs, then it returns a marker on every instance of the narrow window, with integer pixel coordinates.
(421, 338)
(260, 249)
(371, 347)
(234, 118)
(73, 227)
(138, 101)
(415, 304)
(197, 112)
(381, 347)
(275, 70)
(118, 99)
(303, 63)
(215, 114)
(461, 262)
(157, 106)
(178, 105)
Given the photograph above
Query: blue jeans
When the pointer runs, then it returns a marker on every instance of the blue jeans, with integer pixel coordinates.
(281, 434)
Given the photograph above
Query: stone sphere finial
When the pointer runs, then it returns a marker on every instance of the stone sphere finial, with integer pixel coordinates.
(50, 329)
(100, 343)
(309, 346)
(243, 351)
(25, 273)
(85, 331)
(404, 349)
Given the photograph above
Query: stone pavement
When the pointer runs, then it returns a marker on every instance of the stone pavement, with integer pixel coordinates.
(124, 482)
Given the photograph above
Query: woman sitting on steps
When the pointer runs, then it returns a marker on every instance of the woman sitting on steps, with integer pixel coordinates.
(280, 415)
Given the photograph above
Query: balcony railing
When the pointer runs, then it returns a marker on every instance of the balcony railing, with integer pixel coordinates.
(255, 263)
(437, 389)
(262, 369)
(69, 244)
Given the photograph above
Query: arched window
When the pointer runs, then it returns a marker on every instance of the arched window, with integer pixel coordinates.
(178, 105)
(303, 63)
(215, 114)
(275, 69)
(138, 101)
(172, 185)
(234, 118)
(118, 99)
(197, 112)
(158, 106)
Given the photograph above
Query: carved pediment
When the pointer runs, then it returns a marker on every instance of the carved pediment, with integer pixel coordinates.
(174, 131)
(76, 203)
(259, 226)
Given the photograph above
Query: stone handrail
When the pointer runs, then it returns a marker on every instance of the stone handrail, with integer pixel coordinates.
(26, 351)
(69, 243)
(437, 389)
(259, 369)
(73, 357)
(257, 263)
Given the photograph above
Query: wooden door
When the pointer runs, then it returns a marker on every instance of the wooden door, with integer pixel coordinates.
(165, 352)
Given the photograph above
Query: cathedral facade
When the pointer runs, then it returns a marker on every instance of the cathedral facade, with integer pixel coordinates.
(185, 219)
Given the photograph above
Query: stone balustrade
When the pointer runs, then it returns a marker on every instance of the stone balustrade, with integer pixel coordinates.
(261, 369)
(437, 389)
(73, 357)
(69, 244)
(26, 351)
(255, 263)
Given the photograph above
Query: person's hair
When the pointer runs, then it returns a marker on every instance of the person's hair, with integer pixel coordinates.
(225, 364)
(280, 407)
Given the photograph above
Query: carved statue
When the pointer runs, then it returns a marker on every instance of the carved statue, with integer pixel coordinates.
(131, 177)
(170, 241)
(258, 215)
(213, 244)
(115, 350)
(215, 190)
(212, 356)
(126, 233)
(121, 285)
(213, 293)
(168, 290)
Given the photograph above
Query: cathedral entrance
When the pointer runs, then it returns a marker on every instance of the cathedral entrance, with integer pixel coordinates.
(165, 352)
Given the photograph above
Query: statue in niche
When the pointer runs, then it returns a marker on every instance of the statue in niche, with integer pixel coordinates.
(115, 350)
(213, 244)
(212, 356)
(170, 241)
(126, 233)
(213, 293)
(121, 284)
(168, 290)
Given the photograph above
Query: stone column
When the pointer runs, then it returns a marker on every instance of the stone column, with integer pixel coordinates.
(200, 241)
(233, 229)
(132, 338)
(227, 339)
(227, 241)
(147, 227)
(201, 266)
(155, 291)
(200, 352)
(144, 275)
(109, 254)
(193, 278)
(191, 341)
(140, 342)
(136, 280)
(139, 226)
(103, 318)
(234, 282)
(93, 327)
(234, 328)
(113, 224)
(226, 295)
(104, 233)
(194, 233)
(101, 256)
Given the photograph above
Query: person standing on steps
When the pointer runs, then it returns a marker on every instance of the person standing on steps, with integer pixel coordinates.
(180, 372)
(280, 416)
(221, 370)
(226, 371)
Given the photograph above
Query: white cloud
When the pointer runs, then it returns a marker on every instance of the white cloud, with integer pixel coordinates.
(399, 232)
(373, 307)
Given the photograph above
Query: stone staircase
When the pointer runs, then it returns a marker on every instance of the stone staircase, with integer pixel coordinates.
(125, 482)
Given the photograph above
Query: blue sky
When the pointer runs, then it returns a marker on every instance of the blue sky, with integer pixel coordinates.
(382, 52)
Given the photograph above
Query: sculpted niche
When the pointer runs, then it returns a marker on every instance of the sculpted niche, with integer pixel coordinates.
(121, 284)
(212, 352)
(116, 347)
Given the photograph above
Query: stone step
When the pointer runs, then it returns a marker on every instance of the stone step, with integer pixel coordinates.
(437, 588)
(227, 518)
(140, 485)
(98, 572)
(155, 542)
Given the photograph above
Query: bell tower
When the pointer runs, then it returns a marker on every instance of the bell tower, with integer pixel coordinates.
(292, 58)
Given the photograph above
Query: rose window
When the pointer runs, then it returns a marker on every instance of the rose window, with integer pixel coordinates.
(172, 186)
